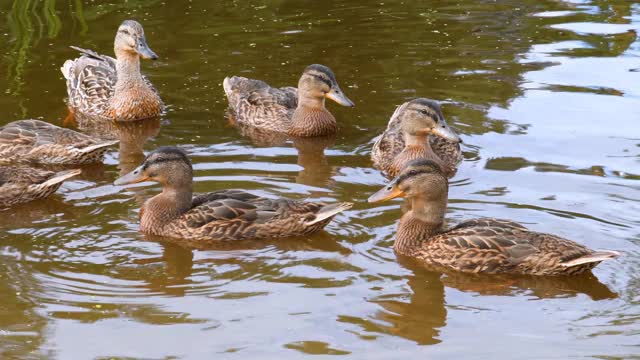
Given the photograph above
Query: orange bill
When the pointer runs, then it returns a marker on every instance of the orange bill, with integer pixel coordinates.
(388, 192)
(136, 176)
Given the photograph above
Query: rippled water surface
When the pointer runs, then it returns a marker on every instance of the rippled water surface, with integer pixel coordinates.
(546, 95)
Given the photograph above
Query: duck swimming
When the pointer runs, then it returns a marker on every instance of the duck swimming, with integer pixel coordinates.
(484, 245)
(35, 141)
(218, 215)
(20, 184)
(107, 88)
(297, 112)
(417, 129)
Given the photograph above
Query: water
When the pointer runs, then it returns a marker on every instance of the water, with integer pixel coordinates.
(544, 93)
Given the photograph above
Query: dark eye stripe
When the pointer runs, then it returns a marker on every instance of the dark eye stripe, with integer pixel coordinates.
(413, 173)
(161, 160)
(324, 80)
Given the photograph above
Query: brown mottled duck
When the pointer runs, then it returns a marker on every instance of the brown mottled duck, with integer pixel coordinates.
(417, 129)
(296, 112)
(35, 141)
(20, 184)
(106, 88)
(218, 215)
(484, 245)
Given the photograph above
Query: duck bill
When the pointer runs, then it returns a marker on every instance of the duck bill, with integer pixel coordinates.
(145, 51)
(446, 132)
(338, 96)
(134, 177)
(388, 192)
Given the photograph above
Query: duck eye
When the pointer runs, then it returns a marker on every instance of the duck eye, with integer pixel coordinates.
(125, 31)
(413, 172)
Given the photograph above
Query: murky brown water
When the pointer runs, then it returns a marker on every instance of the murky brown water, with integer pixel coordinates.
(543, 93)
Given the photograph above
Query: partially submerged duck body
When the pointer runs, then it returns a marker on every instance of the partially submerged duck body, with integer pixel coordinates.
(296, 112)
(102, 87)
(484, 245)
(417, 129)
(20, 184)
(35, 141)
(219, 215)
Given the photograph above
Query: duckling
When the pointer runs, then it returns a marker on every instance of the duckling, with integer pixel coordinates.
(36, 141)
(218, 215)
(296, 112)
(484, 245)
(100, 86)
(20, 184)
(417, 129)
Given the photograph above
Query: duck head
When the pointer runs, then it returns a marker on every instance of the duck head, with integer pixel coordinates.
(318, 83)
(130, 39)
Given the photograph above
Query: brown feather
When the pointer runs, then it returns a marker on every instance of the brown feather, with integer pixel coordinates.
(35, 141)
(20, 184)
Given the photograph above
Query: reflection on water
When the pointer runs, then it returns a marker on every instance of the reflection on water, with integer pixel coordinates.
(544, 94)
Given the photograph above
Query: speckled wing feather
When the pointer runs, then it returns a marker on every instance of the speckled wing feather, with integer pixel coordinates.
(492, 246)
(20, 184)
(41, 142)
(255, 103)
(36, 133)
(23, 175)
(236, 215)
(91, 81)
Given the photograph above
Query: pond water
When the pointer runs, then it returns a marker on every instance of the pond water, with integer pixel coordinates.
(544, 93)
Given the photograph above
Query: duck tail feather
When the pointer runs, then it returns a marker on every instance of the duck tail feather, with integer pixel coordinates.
(92, 148)
(61, 176)
(596, 256)
(329, 211)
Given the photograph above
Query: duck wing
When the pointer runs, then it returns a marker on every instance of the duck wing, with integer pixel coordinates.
(258, 93)
(39, 133)
(91, 81)
(490, 245)
(226, 205)
(38, 141)
(19, 184)
(23, 175)
(236, 214)
(255, 103)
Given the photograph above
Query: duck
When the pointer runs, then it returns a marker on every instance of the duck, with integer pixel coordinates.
(221, 215)
(21, 184)
(417, 129)
(297, 112)
(101, 87)
(36, 141)
(481, 246)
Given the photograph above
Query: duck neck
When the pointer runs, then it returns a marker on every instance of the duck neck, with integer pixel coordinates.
(422, 222)
(311, 118)
(416, 147)
(128, 71)
(165, 207)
